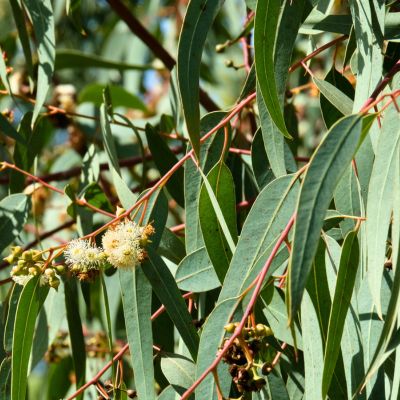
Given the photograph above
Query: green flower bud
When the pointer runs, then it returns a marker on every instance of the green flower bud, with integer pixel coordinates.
(263, 330)
(16, 251)
(60, 269)
(10, 259)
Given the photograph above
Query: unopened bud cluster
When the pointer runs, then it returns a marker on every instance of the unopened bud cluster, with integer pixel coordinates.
(248, 349)
(30, 263)
(123, 246)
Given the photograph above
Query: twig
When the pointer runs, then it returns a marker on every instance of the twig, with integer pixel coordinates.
(317, 51)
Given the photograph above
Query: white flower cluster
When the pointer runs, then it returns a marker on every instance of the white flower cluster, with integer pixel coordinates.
(123, 247)
(123, 244)
(83, 256)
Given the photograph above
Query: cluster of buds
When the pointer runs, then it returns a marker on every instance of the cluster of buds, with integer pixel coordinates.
(123, 246)
(247, 351)
(59, 349)
(97, 345)
(30, 263)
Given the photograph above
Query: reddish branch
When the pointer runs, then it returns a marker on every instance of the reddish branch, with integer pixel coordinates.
(316, 52)
(70, 173)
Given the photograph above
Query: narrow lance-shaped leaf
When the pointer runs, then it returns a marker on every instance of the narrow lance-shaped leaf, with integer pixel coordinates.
(30, 302)
(165, 159)
(42, 16)
(383, 349)
(169, 295)
(136, 300)
(23, 34)
(265, 32)
(217, 213)
(327, 165)
(344, 289)
(75, 332)
(198, 20)
(380, 200)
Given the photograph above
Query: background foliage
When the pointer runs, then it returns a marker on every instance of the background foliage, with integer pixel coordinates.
(261, 141)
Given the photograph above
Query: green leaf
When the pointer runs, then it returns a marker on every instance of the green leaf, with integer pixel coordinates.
(165, 160)
(269, 215)
(380, 200)
(327, 165)
(210, 153)
(75, 332)
(14, 211)
(73, 8)
(29, 304)
(383, 349)
(261, 169)
(20, 23)
(58, 385)
(5, 378)
(178, 370)
(340, 304)
(249, 85)
(195, 273)
(334, 95)
(169, 295)
(136, 299)
(273, 141)
(125, 195)
(171, 247)
(276, 313)
(168, 393)
(42, 16)
(265, 33)
(313, 351)
(10, 131)
(330, 111)
(369, 39)
(75, 59)
(95, 196)
(12, 309)
(93, 93)
(219, 242)
(199, 17)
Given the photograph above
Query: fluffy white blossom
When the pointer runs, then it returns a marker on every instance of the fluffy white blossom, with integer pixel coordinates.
(81, 254)
(123, 244)
(21, 279)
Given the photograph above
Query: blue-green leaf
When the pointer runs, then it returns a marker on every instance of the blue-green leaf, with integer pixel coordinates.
(42, 16)
(265, 33)
(169, 295)
(341, 301)
(327, 165)
(218, 224)
(136, 299)
(14, 211)
(195, 273)
(29, 304)
(199, 17)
